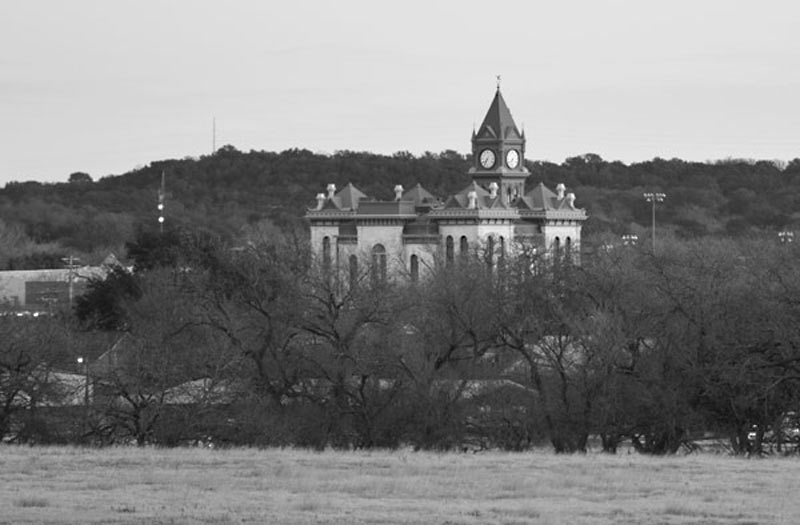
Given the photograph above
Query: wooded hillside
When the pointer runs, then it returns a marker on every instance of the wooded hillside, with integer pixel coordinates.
(224, 192)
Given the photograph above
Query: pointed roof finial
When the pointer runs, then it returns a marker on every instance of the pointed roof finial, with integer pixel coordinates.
(498, 82)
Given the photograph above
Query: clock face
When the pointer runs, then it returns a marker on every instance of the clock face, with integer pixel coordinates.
(512, 159)
(487, 158)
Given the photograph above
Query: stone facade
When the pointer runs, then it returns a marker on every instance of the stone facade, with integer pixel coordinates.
(493, 215)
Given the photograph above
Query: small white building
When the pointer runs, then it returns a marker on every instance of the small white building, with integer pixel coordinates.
(43, 290)
(492, 215)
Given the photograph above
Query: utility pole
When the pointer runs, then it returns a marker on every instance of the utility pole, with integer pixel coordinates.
(213, 135)
(654, 198)
(71, 263)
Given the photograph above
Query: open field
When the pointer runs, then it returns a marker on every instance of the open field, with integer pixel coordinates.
(128, 485)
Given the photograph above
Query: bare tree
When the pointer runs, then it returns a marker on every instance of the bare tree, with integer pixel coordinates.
(30, 350)
(165, 346)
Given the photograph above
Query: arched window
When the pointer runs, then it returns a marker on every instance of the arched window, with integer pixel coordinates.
(353, 270)
(449, 249)
(568, 250)
(501, 256)
(326, 254)
(490, 251)
(414, 268)
(557, 246)
(464, 247)
(379, 262)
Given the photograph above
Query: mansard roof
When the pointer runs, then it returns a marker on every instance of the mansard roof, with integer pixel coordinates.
(542, 199)
(349, 197)
(539, 198)
(461, 199)
(346, 201)
(420, 196)
(484, 200)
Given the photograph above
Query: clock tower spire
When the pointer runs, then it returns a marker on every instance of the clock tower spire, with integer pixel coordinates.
(498, 150)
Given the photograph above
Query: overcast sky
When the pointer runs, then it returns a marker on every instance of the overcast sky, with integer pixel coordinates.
(105, 86)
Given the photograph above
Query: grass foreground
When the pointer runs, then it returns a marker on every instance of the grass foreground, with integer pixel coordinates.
(129, 485)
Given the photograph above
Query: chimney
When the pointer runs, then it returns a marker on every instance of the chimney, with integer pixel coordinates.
(493, 190)
(320, 200)
(473, 200)
(331, 190)
(560, 189)
(398, 192)
(571, 200)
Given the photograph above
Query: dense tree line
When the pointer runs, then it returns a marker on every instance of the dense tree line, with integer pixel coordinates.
(229, 190)
(257, 345)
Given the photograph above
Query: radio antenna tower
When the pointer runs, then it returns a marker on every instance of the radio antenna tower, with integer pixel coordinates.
(161, 196)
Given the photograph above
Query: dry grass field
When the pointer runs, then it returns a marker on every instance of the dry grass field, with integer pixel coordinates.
(128, 485)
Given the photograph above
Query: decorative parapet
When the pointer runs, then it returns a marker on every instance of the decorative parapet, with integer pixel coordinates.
(455, 213)
(330, 214)
(570, 215)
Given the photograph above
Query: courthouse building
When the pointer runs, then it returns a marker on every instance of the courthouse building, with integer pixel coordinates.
(494, 214)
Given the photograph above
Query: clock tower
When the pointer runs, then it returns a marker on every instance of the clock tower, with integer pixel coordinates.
(498, 152)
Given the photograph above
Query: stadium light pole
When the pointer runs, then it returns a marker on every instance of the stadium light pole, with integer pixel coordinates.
(162, 195)
(629, 240)
(654, 198)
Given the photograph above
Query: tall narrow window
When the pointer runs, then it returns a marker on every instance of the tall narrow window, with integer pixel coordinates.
(449, 249)
(464, 247)
(326, 254)
(414, 268)
(490, 251)
(353, 271)
(557, 246)
(379, 262)
(501, 256)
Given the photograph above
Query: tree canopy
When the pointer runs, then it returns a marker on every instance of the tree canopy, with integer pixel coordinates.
(229, 190)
